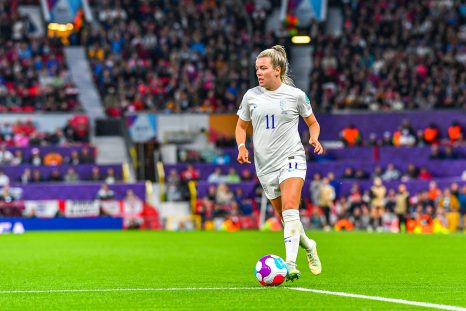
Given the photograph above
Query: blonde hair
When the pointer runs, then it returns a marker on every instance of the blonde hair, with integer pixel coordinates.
(278, 57)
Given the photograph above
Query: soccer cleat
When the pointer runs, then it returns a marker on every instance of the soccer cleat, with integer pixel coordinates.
(293, 274)
(313, 260)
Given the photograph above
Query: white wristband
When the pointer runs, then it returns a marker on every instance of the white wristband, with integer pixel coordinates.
(240, 145)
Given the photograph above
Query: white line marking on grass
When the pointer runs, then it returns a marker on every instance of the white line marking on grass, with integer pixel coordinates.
(400, 301)
(95, 290)
(155, 289)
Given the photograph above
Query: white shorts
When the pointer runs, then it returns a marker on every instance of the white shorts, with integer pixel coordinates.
(294, 166)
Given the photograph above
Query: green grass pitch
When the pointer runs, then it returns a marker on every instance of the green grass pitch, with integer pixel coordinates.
(425, 268)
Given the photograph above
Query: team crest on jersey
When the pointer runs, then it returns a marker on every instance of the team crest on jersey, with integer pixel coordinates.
(283, 106)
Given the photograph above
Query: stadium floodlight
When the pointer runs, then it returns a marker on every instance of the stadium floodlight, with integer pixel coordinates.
(301, 39)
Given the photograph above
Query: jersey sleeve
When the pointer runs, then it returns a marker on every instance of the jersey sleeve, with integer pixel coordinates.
(243, 111)
(304, 105)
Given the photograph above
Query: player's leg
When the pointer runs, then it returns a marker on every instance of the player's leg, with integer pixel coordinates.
(291, 196)
(277, 206)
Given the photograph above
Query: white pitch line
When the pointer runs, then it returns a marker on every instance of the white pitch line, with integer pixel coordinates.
(400, 301)
(317, 291)
(95, 290)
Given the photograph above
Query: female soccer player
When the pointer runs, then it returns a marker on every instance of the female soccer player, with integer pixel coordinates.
(273, 108)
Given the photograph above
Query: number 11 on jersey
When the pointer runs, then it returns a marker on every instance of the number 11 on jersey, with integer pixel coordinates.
(270, 124)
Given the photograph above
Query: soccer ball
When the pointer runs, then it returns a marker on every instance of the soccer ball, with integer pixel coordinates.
(271, 270)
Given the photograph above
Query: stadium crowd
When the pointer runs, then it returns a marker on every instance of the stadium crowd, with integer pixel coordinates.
(33, 71)
(144, 59)
(393, 55)
(377, 208)
(25, 133)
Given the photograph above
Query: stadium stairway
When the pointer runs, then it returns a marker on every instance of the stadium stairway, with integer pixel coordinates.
(110, 149)
(81, 75)
(334, 25)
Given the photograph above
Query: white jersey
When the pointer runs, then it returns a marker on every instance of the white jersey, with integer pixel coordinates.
(275, 116)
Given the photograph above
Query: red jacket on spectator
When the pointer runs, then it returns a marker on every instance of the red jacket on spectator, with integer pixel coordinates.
(455, 132)
(190, 174)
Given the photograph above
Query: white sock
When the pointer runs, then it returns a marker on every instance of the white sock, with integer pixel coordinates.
(291, 231)
(305, 242)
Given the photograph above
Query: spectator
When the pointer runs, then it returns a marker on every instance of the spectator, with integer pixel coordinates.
(317, 219)
(451, 204)
(173, 186)
(132, 210)
(387, 139)
(246, 175)
(432, 134)
(26, 176)
(406, 138)
(245, 203)
(435, 153)
(411, 173)
(95, 174)
(85, 156)
(18, 158)
(216, 176)
(6, 157)
(348, 173)
(351, 136)
(74, 158)
(36, 176)
(420, 138)
(190, 173)
(455, 189)
(105, 193)
(224, 196)
(55, 175)
(390, 201)
(360, 218)
(361, 174)
(335, 183)
(455, 132)
(4, 179)
(377, 202)
(35, 158)
(222, 158)
(110, 177)
(53, 158)
(434, 192)
(315, 188)
(450, 153)
(424, 174)
(327, 197)
(391, 173)
(401, 206)
(377, 173)
(6, 196)
(71, 176)
(232, 177)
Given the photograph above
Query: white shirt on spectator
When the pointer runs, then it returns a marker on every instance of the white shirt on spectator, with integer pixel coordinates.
(4, 179)
(6, 157)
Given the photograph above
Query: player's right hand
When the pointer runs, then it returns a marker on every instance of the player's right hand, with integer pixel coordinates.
(243, 155)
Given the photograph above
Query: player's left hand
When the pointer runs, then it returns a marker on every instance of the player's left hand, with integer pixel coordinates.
(317, 146)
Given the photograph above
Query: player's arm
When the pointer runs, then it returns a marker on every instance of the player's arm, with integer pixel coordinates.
(240, 135)
(314, 131)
